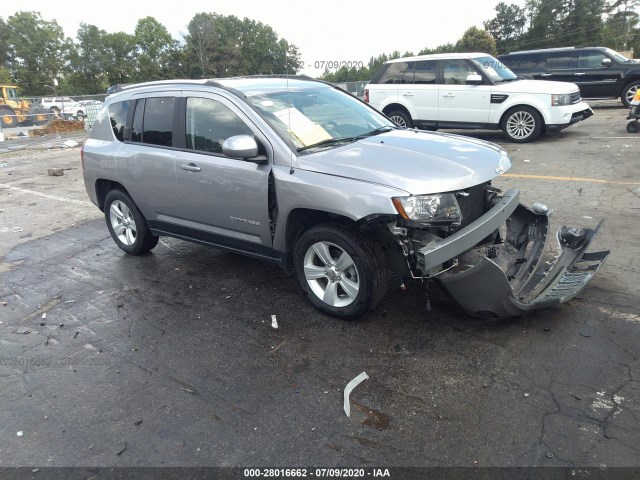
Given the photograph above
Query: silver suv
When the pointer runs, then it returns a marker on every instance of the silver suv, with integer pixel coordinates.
(300, 173)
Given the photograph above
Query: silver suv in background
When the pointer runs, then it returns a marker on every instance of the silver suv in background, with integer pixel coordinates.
(301, 174)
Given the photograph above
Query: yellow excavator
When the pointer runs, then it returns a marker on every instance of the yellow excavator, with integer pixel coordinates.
(15, 111)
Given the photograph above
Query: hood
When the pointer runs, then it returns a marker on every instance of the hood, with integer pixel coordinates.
(415, 161)
(536, 86)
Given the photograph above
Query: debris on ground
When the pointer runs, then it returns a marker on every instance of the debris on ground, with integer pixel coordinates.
(122, 451)
(274, 321)
(349, 388)
(55, 172)
(137, 422)
(21, 433)
(71, 143)
(188, 390)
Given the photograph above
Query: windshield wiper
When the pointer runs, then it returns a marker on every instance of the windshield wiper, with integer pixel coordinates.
(328, 141)
(377, 131)
(336, 141)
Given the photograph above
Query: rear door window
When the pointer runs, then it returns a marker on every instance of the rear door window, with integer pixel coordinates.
(561, 60)
(425, 71)
(153, 121)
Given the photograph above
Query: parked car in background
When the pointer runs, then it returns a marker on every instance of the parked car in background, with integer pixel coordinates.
(472, 90)
(64, 107)
(599, 72)
(299, 173)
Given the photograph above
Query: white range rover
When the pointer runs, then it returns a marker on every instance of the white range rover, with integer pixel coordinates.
(472, 90)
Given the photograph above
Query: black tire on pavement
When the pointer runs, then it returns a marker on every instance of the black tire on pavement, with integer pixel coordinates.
(127, 225)
(342, 273)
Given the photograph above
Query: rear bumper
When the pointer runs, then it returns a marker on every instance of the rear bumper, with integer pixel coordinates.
(511, 277)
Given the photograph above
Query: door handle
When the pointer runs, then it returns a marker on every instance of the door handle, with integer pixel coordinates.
(449, 94)
(545, 75)
(192, 167)
(580, 73)
(408, 94)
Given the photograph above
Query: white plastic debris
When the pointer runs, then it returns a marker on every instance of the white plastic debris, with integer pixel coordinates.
(20, 433)
(349, 388)
(526, 161)
(274, 321)
(44, 315)
(71, 143)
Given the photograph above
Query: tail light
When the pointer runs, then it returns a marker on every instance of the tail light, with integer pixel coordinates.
(366, 95)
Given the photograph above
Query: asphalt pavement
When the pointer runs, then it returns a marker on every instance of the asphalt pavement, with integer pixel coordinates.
(172, 359)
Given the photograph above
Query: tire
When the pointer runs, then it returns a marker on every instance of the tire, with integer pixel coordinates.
(8, 117)
(522, 124)
(40, 116)
(80, 116)
(628, 92)
(633, 127)
(341, 273)
(127, 226)
(400, 118)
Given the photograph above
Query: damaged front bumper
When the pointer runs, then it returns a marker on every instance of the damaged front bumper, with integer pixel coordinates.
(511, 276)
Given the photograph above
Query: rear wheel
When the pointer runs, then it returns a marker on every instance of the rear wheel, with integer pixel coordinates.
(633, 127)
(341, 273)
(8, 117)
(400, 118)
(126, 224)
(39, 116)
(522, 124)
(80, 115)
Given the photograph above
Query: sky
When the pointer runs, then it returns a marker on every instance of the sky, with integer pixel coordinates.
(325, 30)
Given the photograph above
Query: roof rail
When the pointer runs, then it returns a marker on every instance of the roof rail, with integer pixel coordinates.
(541, 50)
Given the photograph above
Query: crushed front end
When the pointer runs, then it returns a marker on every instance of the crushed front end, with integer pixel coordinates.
(495, 264)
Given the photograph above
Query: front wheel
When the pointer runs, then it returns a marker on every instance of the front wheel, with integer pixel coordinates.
(127, 226)
(8, 117)
(522, 124)
(629, 92)
(341, 273)
(400, 118)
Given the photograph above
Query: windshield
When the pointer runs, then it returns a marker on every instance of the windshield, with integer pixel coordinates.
(497, 71)
(618, 57)
(320, 117)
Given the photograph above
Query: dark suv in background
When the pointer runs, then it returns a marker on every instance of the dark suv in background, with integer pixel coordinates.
(599, 72)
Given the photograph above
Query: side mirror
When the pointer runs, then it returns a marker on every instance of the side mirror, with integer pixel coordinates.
(242, 146)
(606, 62)
(474, 79)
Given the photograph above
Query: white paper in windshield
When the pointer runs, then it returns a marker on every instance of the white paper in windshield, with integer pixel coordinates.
(306, 131)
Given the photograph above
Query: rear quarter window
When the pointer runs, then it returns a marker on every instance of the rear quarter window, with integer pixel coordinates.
(398, 72)
(118, 117)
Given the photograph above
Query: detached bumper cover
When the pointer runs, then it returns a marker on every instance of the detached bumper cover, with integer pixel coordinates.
(511, 278)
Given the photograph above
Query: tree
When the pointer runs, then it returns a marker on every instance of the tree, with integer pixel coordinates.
(153, 49)
(507, 27)
(36, 51)
(120, 66)
(87, 61)
(477, 40)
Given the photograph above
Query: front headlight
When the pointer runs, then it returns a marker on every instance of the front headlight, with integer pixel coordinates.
(438, 208)
(560, 100)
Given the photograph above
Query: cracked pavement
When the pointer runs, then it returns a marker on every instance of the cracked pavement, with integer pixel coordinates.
(169, 359)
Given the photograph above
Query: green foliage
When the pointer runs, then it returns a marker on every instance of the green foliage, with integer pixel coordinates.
(34, 52)
(508, 26)
(558, 23)
(477, 40)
